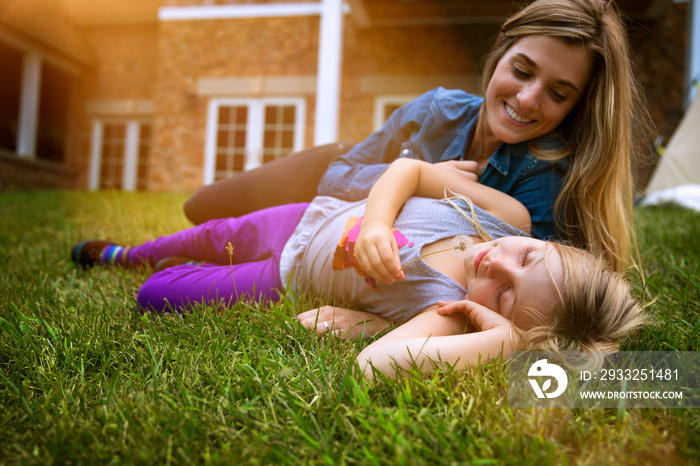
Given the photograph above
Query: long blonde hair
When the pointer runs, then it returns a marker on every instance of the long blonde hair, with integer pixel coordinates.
(594, 207)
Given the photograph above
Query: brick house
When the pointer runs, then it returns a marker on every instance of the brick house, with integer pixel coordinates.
(167, 95)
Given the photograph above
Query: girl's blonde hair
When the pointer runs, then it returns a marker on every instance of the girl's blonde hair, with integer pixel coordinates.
(596, 311)
(594, 207)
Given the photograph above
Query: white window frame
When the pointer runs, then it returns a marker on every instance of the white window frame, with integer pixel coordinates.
(381, 102)
(254, 131)
(132, 138)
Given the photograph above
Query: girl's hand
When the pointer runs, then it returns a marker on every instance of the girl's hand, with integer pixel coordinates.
(480, 317)
(341, 322)
(377, 253)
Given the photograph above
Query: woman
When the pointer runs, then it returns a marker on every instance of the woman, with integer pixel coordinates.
(556, 129)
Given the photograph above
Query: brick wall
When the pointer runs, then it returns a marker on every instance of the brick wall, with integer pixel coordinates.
(660, 49)
(191, 50)
(21, 174)
(120, 85)
(128, 61)
(421, 51)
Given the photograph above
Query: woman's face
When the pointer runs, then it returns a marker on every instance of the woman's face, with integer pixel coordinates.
(535, 85)
(512, 274)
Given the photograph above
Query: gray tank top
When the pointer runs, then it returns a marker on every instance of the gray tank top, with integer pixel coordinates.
(307, 260)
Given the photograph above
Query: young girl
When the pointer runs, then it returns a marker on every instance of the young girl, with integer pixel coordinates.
(329, 249)
(555, 130)
(523, 293)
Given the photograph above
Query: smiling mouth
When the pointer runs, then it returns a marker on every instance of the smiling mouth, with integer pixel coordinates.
(479, 258)
(511, 113)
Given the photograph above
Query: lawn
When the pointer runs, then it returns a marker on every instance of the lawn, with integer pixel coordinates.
(85, 378)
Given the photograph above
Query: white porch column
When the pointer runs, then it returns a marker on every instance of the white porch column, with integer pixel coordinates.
(29, 105)
(330, 52)
(131, 156)
(96, 155)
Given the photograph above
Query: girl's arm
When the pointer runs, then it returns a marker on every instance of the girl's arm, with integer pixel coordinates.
(437, 336)
(376, 250)
(342, 322)
(409, 177)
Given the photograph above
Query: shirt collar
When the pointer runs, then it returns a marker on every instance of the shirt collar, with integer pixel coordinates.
(500, 160)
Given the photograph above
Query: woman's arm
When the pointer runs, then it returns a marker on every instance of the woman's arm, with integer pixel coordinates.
(377, 252)
(352, 175)
(436, 337)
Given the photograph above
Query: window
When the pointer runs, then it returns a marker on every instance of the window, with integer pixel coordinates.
(231, 131)
(120, 151)
(244, 134)
(385, 106)
(278, 132)
(112, 166)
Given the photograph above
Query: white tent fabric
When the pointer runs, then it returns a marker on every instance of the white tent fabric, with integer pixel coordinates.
(687, 195)
(679, 165)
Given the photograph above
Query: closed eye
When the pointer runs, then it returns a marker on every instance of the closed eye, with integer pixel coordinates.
(558, 96)
(499, 294)
(526, 253)
(520, 73)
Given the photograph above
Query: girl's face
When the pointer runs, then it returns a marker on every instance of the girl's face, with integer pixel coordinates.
(509, 275)
(535, 85)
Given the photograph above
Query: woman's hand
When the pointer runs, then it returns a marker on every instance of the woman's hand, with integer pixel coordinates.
(377, 253)
(345, 323)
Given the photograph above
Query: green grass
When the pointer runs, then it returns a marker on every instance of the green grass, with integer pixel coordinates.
(85, 378)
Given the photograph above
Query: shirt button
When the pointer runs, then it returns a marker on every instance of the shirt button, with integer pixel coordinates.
(405, 152)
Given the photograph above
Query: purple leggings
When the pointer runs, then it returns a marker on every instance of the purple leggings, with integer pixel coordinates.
(258, 239)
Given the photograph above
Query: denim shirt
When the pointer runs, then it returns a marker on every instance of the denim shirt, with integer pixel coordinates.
(436, 127)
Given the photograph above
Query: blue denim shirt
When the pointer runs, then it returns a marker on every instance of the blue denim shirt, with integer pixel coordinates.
(436, 127)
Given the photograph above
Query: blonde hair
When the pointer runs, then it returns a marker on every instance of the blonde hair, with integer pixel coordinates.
(594, 207)
(596, 311)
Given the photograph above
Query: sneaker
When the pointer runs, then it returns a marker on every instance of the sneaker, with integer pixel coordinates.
(88, 253)
(173, 261)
